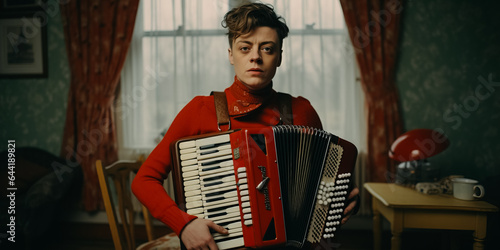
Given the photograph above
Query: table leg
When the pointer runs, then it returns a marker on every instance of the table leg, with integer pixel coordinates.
(480, 232)
(377, 230)
(396, 240)
(478, 243)
(396, 229)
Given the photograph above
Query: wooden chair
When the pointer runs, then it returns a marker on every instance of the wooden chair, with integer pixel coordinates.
(124, 233)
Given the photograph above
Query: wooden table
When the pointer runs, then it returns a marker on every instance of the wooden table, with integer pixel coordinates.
(406, 208)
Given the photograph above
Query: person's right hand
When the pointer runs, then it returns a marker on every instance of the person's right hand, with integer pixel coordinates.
(196, 234)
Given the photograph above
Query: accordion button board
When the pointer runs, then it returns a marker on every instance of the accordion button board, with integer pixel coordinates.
(273, 186)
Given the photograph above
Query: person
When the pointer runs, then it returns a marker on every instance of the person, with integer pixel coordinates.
(255, 35)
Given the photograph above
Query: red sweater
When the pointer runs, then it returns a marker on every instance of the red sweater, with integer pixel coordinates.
(246, 109)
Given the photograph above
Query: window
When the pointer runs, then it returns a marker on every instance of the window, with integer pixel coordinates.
(179, 50)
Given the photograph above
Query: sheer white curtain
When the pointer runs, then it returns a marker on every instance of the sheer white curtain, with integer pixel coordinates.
(179, 50)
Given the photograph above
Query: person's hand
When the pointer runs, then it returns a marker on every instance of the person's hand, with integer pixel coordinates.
(350, 208)
(196, 234)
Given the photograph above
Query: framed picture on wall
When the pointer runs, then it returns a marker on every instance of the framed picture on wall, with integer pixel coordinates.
(23, 46)
(16, 4)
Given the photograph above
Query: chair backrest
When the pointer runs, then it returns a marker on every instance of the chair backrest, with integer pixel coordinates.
(118, 175)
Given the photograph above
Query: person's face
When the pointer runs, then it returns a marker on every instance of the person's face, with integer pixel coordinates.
(255, 57)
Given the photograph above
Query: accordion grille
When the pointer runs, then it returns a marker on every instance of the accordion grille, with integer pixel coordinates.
(321, 210)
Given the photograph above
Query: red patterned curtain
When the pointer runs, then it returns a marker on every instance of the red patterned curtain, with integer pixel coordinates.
(98, 35)
(374, 29)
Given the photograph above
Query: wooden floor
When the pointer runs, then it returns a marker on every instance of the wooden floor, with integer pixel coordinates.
(345, 240)
(98, 237)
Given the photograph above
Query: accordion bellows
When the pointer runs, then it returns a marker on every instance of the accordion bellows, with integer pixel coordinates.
(272, 186)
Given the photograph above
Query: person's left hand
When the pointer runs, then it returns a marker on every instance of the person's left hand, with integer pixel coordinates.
(353, 199)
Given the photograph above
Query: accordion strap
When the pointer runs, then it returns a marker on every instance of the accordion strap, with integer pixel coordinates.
(285, 109)
(221, 109)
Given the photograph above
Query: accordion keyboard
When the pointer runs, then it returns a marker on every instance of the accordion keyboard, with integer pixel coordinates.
(210, 186)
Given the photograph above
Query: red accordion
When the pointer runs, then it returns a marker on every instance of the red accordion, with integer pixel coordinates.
(272, 186)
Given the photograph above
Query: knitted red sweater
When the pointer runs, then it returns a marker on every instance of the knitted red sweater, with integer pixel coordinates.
(246, 108)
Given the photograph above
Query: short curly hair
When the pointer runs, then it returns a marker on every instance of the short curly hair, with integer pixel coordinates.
(246, 18)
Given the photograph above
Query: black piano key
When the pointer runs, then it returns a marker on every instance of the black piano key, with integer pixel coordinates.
(209, 152)
(217, 215)
(213, 184)
(223, 208)
(216, 199)
(213, 145)
(211, 168)
(213, 162)
(207, 146)
(216, 177)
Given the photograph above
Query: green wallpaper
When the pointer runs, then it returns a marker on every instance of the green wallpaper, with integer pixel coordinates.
(33, 111)
(448, 79)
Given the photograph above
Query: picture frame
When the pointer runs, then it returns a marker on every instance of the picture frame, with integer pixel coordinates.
(20, 4)
(23, 49)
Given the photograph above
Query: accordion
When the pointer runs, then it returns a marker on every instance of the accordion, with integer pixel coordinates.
(273, 186)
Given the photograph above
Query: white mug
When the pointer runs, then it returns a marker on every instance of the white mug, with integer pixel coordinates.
(465, 189)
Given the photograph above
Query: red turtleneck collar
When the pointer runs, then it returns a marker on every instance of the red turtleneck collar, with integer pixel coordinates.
(242, 100)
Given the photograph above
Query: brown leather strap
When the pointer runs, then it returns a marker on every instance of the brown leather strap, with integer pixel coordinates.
(221, 109)
(285, 108)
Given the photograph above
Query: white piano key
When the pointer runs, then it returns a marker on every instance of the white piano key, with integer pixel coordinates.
(244, 192)
(190, 174)
(187, 150)
(192, 193)
(188, 156)
(242, 181)
(193, 198)
(241, 169)
(238, 242)
(245, 198)
(192, 182)
(189, 162)
(192, 178)
(246, 210)
(242, 175)
(194, 204)
(212, 140)
(243, 187)
(195, 211)
(228, 219)
(247, 216)
(187, 144)
(245, 204)
(190, 168)
(233, 225)
(248, 222)
(192, 187)
(232, 233)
